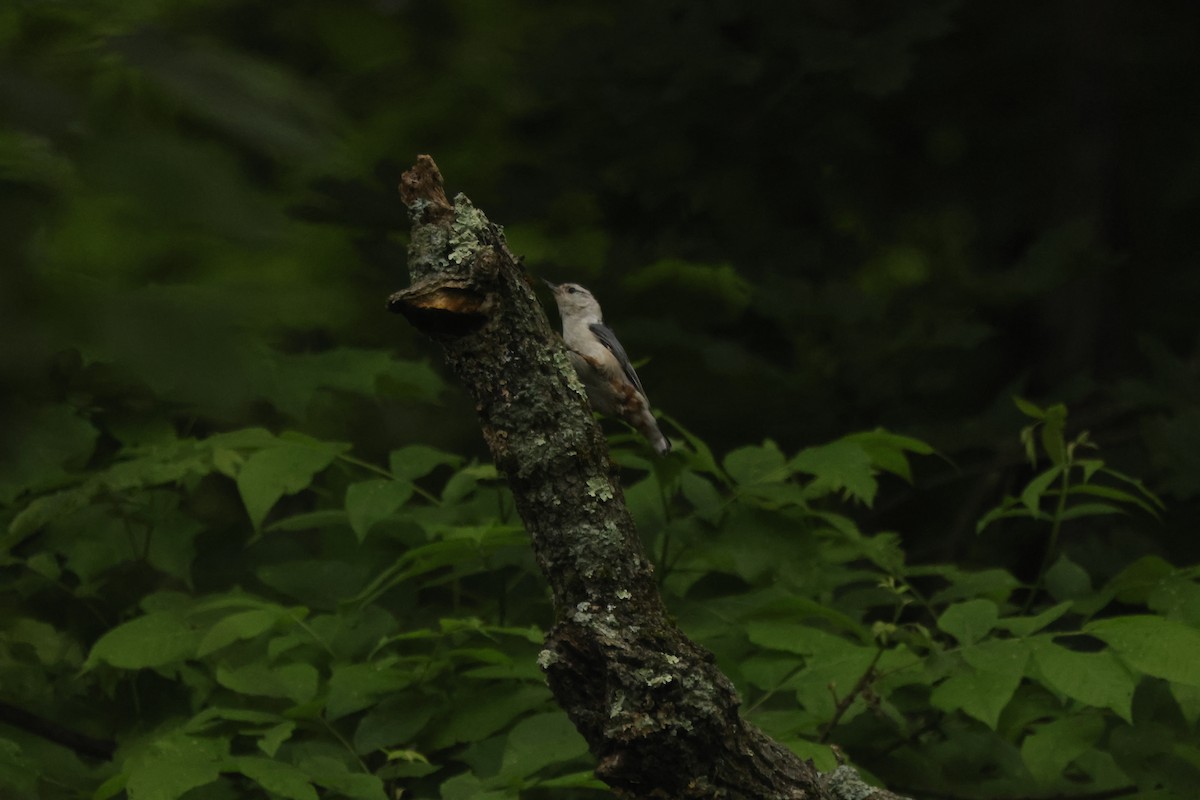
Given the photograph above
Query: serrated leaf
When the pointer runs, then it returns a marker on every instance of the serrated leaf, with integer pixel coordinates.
(153, 640)
(887, 450)
(837, 466)
(370, 501)
(756, 464)
(700, 457)
(1154, 645)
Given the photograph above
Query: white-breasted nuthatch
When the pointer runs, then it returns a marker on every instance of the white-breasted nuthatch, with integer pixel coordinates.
(612, 385)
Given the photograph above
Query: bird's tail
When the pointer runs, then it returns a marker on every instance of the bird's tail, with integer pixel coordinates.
(647, 426)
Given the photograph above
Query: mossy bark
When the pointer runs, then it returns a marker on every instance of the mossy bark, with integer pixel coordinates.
(659, 716)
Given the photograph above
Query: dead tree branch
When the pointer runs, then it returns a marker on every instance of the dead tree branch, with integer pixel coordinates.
(659, 716)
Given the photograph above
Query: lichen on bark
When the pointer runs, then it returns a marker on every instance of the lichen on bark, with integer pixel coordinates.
(657, 713)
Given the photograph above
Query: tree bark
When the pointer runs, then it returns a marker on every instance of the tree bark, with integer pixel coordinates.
(659, 716)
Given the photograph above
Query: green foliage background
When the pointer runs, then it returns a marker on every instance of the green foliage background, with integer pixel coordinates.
(250, 542)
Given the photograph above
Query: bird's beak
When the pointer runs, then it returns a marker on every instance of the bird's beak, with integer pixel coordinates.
(553, 286)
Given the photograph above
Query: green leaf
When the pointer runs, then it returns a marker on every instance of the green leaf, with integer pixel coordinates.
(700, 457)
(1034, 490)
(1053, 427)
(994, 584)
(276, 776)
(1109, 493)
(576, 780)
(286, 469)
(1028, 409)
(170, 766)
(756, 464)
(1051, 747)
(295, 377)
(887, 450)
(270, 741)
(41, 443)
(703, 496)
(1137, 484)
(243, 625)
(153, 640)
(466, 786)
(18, 774)
(311, 520)
(1025, 626)
(986, 681)
(1097, 679)
(43, 510)
(353, 687)
(538, 741)
(792, 637)
(370, 501)
(1090, 510)
(841, 465)
(970, 621)
(334, 774)
(319, 583)
(485, 711)
(1066, 580)
(1156, 646)
(215, 715)
(1136, 582)
(1007, 510)
(397, 720)
(418, 460)
(295, 682)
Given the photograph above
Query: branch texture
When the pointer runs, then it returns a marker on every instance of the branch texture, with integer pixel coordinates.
(658, 715)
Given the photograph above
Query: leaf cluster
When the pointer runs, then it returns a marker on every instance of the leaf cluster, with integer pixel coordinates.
(251, 613)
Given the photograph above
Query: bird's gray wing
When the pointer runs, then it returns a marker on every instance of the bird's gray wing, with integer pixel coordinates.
(609, 339)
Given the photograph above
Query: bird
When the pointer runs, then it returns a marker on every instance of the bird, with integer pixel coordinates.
(613, 387)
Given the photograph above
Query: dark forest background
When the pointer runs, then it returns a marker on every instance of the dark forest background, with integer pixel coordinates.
(804, 219)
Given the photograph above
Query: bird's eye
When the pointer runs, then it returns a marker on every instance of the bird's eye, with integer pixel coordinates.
(570, 290)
